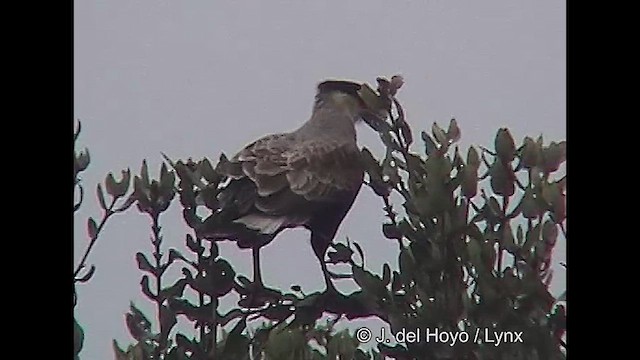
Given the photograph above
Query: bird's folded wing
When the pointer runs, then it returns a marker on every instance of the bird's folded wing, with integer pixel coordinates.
(289, 175)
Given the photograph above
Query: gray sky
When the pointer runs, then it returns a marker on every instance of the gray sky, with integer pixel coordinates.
(196, 78)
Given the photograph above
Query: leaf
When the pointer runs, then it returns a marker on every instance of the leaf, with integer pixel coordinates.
(532, 237)
(439, 134)
(475, 253)
(506, 239)
(167, 182)
(469, 184)
(530, 208)
(390, 231)
(120, 354)
(244, 281)
(386, 274)
(505, 146)
(453, 133)
(367, 281)
(236, 344)
(92, 228)
(137, 323)
(146, 290)
(193, 245)
(554, 155)
(502, 178)
(110, 183)
(100, 195)
(531, 153)
(371, 164)
(208, 172)
(82, 160)
(430, 145)
(359, 249)
(549, 232)
(406, 261)
(78, 337)
(174, 290)
(405, 130)
(342, 254)
(144, 264)
(76, 134)
(144, 174)
(88, 275)
(473, 159)
(167, 321)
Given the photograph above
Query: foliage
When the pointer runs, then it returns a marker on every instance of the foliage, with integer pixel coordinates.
(117, 191)
(475, 232)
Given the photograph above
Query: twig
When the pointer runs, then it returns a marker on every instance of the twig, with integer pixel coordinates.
(156, 240)
(107, 214)
(76, 207)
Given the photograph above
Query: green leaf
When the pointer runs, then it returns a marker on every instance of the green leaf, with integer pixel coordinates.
(453, 133)
(554, 155)
(386, 274)
(144, 264)
(549, 232)
(76, 133)
(244, 281)
(474, 250)
(167, 181)
(368, 282)
(137, 323)
(439, 134)
(532, 238)
(469, 184)
(505, 146)
(78, 337)
(208, 172)
(390, 231)
(82, 160)
(110, 183)
(144, 174)
(118, 188)
(473, 159)
(146, 289)
(341, 346)
(530, 208)
(531, 153)
(406, 261)
(193, 245)
(507, 240)
(101, 200)
(92, 228)
(502, 178)
(430, 145)
(88, 275)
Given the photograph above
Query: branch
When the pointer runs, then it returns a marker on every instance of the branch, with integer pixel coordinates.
(107, 214)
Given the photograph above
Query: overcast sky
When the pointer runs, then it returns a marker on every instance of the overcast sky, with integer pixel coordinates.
(196, 78)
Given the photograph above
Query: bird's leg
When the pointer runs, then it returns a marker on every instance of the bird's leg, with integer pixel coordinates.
(327, 277)
(257, 277)
(320, 243)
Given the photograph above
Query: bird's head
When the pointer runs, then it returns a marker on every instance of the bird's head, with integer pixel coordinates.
(360, 100)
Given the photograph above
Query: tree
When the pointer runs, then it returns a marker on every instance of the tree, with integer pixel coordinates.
(475, 234)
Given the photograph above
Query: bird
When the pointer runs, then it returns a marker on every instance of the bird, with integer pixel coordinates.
(309, 177)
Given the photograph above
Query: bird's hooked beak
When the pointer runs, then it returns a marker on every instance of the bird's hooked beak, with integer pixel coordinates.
(376, 108)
